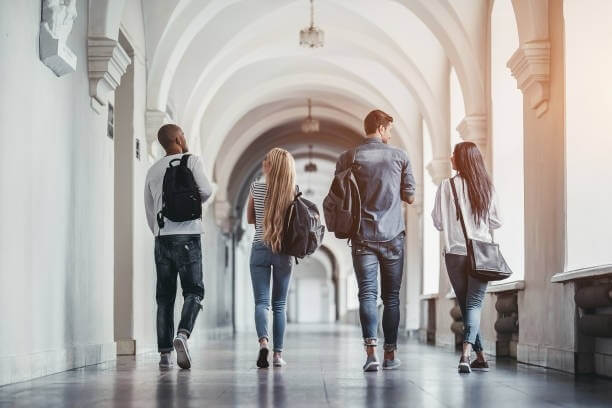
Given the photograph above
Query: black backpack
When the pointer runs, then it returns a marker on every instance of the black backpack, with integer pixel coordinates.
(303, 232)
(342, 205)
(180, 195)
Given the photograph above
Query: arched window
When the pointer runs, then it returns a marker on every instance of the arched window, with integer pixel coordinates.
(457, 108)
(588, 133)
(507, 137)
(431, 236)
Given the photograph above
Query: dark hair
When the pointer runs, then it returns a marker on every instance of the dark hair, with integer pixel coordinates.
(374, 120)
(471, 168)
(165, 134)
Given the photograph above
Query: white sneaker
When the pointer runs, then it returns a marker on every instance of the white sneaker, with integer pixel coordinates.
(183, 358)
(278, 362)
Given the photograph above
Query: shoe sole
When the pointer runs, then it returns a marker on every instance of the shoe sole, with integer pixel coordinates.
(395, 367)
(373, 366)
(480, 369)
(183, 359)
(262, 359)
(464, 368)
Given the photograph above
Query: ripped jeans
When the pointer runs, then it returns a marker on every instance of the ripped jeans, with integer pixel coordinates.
(368, 258)
(177, 255)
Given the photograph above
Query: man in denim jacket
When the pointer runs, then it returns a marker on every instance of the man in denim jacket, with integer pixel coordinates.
(384, 177)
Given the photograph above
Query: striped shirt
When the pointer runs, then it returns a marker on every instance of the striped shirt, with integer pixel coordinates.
(259, 191)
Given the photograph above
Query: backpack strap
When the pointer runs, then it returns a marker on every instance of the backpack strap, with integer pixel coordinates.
(184, 159)
(353, 157)
(458, 210)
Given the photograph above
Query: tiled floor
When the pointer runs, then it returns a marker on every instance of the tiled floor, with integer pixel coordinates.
(324, 370)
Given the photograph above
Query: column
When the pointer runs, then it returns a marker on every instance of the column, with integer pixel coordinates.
(473, 128)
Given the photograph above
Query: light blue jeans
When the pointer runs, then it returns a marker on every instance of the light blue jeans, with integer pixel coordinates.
(264, 263)
(470, 294)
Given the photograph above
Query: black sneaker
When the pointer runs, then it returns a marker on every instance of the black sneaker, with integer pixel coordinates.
(262, 358)
(165, 360)
(464, 365)
(479, 365)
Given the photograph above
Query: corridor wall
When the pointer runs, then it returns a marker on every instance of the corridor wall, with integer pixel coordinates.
(57, 188)
(56, 184)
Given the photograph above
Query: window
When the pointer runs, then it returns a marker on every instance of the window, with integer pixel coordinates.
(507, 138)
(588, 132)
(431, 236)
(457, 109)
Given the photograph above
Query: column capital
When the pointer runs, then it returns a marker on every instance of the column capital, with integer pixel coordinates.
(473, 128)
(530, 65)
(154, 119)
(107, 61)
(439, 169)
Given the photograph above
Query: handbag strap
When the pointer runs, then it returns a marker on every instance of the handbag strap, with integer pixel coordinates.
(458, 209)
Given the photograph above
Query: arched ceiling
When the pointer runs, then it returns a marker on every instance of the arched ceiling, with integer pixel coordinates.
(236, 79)
(204, 55)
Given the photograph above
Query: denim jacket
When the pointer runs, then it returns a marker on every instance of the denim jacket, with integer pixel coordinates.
(384, 176)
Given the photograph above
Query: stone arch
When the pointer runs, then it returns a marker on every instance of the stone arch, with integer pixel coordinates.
(422, 12)
(288, 85)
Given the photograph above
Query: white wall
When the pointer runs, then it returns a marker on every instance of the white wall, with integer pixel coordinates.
(507, 138)
(588, 64)
(56, 184)
(311, 308)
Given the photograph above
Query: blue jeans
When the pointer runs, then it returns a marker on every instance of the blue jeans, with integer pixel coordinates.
(264, 263)
(367, 256)
(177, 255)
(470, 294)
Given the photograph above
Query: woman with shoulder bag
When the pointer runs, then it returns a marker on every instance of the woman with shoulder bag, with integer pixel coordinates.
(478, 212)
(267, 205)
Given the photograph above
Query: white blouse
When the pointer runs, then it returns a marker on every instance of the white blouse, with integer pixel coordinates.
(445, 217)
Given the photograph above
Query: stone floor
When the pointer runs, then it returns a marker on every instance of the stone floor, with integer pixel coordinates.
(324, 370)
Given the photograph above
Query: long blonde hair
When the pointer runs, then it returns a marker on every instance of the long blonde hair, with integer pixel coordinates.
(280, 181)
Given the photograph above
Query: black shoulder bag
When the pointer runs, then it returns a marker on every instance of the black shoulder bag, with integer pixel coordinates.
(486, 260)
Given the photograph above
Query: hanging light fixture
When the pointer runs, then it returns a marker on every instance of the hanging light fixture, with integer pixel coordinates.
(312, 37)
(310, 167)
(310, 125)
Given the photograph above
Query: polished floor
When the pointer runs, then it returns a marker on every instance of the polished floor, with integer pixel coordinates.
(324, 370)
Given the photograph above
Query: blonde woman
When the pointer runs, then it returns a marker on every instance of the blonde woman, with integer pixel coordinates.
(268, 203)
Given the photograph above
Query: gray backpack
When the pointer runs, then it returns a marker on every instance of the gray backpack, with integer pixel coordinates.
(342, 205)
